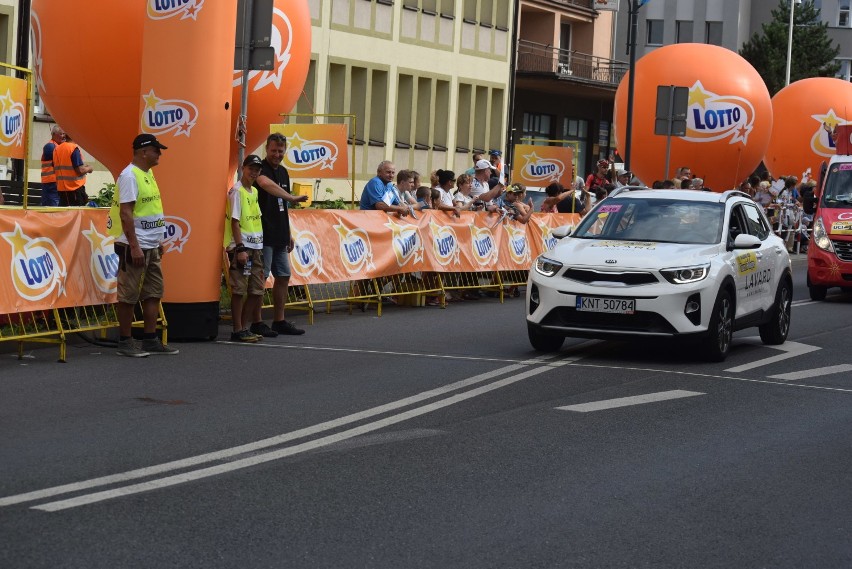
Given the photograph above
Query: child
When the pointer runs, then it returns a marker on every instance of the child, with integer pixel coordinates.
(244, 244)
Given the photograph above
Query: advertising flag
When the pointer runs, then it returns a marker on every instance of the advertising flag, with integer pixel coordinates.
(13, 116)
(315, 150)
(540, 166)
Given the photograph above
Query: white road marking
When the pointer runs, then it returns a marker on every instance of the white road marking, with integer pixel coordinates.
(271, 441)
(285, 452)
(628, 401)
(808, 373)
(790, 349)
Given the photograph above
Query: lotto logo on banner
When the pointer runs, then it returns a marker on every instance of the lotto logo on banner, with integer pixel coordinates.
(356, 251)
(483, 245)
(13, 116)
(306, 257)
(406, 242)
(103, 262)
(519, 250)
(548, 241)
(281, 41)
(38, 269)
(445, 244)
(711, 116)
(540, 166)
(162, 9)
(175, 234)
(315, 150)
(164, 116)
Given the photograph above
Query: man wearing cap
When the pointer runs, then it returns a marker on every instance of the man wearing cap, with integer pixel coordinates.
(274, 197)
(622, 178)
(480, 190)
(244, 245)
(497, 166)
(137, 213)
(598, 177)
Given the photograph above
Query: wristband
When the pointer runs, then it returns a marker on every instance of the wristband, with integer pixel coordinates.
(240, 248)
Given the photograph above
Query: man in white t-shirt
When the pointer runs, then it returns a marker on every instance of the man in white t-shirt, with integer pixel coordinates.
(480, 189)
(137, 212)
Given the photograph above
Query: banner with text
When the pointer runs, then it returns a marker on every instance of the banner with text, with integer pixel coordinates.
(55, 259)
(13, 116)
(315, 150)
(339, 245)
(540, 166)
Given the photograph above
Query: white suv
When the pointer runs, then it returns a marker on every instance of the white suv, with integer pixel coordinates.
(663, 263)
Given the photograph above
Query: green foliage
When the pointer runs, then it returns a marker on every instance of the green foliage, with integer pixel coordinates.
(105, 195)
(813, 52)
(329, 203)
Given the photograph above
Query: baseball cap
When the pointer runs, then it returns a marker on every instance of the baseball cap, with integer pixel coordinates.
(495, 153)
(603, 162)
(621, 173)
(482, 165)
(252, 160)
(144, 140)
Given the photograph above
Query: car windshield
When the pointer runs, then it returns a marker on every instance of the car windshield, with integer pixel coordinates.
(838, 186)
(653, 219)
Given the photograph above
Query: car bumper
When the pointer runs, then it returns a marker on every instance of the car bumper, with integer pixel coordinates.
(660, 308)
(827, 269)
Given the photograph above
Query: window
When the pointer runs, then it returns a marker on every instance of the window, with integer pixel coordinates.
(655, 32)
(537, 126)
(845, 71)
(576, 130)
(683, 32)
(714, 33)
(843, 17)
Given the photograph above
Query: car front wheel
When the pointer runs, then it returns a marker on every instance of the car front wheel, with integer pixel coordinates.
(543, 341)
(775, 331)
(721, 330)
(817, 292)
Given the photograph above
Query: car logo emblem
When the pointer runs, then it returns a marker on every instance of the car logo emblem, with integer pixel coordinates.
(611, 261)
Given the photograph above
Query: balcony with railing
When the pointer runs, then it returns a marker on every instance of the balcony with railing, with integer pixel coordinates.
(538, 59)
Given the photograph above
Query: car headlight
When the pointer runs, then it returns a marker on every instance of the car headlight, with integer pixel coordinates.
(686, 275)
(547, 267)
(821, 237)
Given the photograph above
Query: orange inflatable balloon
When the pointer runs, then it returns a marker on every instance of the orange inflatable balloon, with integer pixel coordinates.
(90, 82)
(728, 123)
(810, 107)
(272, 93)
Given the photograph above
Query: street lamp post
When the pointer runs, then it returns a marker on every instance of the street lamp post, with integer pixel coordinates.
(631, 82)
(790, 41)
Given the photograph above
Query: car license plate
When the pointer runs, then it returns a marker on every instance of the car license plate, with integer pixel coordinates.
(610, 305)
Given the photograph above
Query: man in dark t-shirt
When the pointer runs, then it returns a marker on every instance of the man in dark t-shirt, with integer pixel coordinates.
(273, 196)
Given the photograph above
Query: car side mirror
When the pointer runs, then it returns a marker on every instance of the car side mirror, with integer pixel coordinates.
(746, 241)
(563, 231)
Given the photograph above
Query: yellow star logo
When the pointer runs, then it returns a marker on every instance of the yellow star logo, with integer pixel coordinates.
(295, 141)
(830, 119)
(17, 239)
(151, 100)
(99, 242)
(6, 102)
(698, 96)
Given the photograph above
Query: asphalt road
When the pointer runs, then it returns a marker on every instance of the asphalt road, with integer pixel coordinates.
(433, 438)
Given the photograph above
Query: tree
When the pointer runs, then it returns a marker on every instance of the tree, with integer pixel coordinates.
(813, 51)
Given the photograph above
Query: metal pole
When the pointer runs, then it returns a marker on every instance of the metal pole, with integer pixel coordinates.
(22, 59)
(247, 11)
(790, 43)
(669, 130)
(510, 126)
(631, 84)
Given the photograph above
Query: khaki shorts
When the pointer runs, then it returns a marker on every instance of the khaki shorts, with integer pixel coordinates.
(138, 283)
(253, 283)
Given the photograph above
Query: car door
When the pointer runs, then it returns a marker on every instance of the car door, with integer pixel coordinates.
(745, 262)
(762, 284)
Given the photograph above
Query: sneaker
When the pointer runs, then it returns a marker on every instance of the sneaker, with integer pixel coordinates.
(244, 336)
(156, 348)
(130, 349)
(286, 328)
(262, 330)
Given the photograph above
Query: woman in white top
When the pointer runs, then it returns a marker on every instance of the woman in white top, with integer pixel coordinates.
(446, 179)
(462, 197)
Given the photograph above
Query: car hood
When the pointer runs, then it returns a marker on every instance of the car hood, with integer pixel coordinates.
(615, 255)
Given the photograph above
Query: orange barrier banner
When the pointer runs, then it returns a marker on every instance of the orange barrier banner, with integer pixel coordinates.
(539, 166)
(315, 150)
(339, 245)
(55, 259)
(13, 116)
